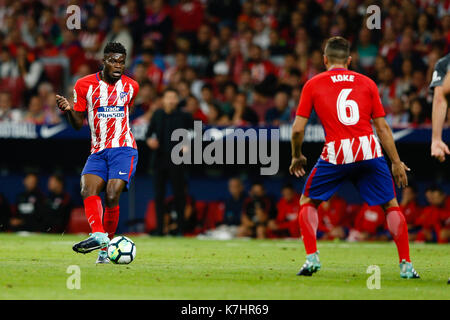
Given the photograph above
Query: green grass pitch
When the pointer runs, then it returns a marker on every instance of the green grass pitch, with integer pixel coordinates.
(35, 267)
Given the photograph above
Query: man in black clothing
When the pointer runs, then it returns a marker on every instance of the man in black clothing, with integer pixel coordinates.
(58, 206)
(164, 121)
(30, 206)
(234, 205)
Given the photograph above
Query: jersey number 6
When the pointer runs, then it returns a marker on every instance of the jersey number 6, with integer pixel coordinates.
(347, 110)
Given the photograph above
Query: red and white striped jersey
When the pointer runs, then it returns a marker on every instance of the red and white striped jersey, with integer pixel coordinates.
(107, 108)
(345, 102)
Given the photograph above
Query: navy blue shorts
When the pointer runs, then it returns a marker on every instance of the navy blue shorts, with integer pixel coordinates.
(371, 177)
(113, 163)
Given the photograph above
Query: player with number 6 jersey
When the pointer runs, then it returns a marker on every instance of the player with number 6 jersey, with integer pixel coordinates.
(347, 103)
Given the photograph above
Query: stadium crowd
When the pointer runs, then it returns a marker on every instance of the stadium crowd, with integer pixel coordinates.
(233, 62)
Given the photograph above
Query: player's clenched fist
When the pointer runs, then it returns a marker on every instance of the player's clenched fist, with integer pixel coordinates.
(399, 172)
(62, 103)
(298, 166)
(439, 149)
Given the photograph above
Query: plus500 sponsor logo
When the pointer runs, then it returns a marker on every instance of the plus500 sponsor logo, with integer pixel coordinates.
(110, 112)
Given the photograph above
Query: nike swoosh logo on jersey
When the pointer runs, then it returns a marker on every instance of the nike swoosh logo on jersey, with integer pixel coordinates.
(122, 173)
(47, 132)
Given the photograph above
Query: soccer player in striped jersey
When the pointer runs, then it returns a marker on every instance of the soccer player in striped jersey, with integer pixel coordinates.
(346, 102)
(106, 97)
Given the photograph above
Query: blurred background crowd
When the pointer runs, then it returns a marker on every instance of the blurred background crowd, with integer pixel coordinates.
(233, 62)
(237, 213)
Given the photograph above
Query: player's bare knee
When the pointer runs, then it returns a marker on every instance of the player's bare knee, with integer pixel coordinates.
(112, 198)
(390, 204)
(307, 200)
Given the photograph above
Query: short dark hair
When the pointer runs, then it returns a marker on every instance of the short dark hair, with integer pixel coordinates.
(59, 177)
(114, 47)
(337, 49)
(288, 185)
(169, 89)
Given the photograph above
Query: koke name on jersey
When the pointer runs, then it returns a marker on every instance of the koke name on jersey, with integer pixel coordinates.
(342, 77)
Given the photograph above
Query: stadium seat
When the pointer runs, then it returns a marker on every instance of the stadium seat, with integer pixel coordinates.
(17, 88)
(150, 217)
(54, 74)
(78, 222)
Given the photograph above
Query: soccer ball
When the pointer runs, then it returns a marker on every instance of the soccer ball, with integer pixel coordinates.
(121, 250)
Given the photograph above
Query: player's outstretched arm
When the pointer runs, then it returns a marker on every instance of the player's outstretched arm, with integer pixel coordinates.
(75, 118)
(387, 140)
(440, 102)
(298, 162)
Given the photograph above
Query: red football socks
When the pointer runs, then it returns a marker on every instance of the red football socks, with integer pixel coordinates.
(110, 221)
(94, 209)
(397, 227)
(309, 221)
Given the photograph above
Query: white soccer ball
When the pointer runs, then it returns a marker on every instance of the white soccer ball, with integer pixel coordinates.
(121, 250)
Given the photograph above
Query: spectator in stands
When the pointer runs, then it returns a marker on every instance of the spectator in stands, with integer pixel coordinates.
(404, 83)
(187, 18)
(5, 213)
(207, 98)
(331, 219)
(229, 93)
(153, 71)
(433, 216)
(7, 113)
(35, 113)
(30, 69)
(216, 117)
(30, 206)
(398, 116)
(193, 107)
(280, 113)
(202, 41)
(91, 38)
(259, 67)
(258, 210)
(118, 33)
(387, 86)
(181, 64)
(171, 218)
(410, 208)
(241, 114)
(47, 95)
(234, 204)
(286, 222)
(72, 49)
(367, 51)
(157, 23)
(146, 96)
(369, 224)
(406, 51)
(58, 206)
(416, 113)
